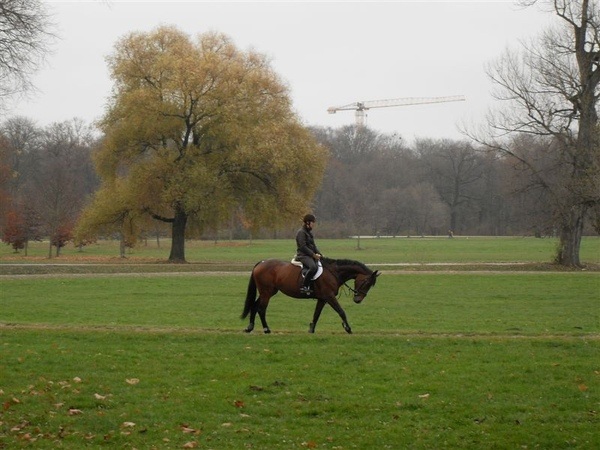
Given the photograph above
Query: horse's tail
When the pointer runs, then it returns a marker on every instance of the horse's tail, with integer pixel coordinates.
(250, 296)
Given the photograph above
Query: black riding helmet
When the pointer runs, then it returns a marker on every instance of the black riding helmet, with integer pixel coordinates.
(309, 218)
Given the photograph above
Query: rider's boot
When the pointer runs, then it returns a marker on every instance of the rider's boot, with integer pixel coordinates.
(305, 289)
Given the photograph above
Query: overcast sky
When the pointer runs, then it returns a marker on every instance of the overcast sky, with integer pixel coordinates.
(329, 53)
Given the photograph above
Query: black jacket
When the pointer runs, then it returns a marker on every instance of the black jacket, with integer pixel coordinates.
(305, 243)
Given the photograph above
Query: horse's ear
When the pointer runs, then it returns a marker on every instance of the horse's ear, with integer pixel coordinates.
(376, 274)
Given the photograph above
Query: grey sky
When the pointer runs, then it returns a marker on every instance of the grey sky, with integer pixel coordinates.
(329, 53)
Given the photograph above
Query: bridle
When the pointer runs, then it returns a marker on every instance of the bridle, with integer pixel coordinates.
(358, 290)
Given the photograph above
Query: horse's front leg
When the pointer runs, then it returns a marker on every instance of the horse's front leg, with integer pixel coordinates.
(338, 308)
(318, 308)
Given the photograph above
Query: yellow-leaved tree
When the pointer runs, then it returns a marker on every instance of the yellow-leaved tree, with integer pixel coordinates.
(195, 129)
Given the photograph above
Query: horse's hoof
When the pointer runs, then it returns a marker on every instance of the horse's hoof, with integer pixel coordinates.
(247, 330)
(267, 331)
(311, 328)
(347, 328)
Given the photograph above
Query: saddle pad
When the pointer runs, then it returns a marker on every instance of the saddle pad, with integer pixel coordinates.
(295, 262)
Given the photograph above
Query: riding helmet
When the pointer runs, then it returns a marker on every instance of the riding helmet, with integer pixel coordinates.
(309, 218)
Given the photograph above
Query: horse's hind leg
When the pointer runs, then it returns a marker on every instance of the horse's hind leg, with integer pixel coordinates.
(262, 305)
(250, 326)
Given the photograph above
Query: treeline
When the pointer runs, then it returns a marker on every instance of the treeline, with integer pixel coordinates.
(375, 184)
(46, 178)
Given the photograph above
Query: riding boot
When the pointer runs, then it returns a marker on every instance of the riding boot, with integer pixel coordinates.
(305, 289)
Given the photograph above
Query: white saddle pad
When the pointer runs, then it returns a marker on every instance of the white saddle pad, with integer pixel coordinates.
(295, 262)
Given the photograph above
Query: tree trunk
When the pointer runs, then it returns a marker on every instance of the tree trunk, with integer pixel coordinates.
(178, 237)
(453, 218)
(571, 230)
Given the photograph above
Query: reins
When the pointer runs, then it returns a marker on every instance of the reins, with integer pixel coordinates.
(357, 291)
(345, 283)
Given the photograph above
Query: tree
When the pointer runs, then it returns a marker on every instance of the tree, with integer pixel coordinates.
(5, 179)
(21, 227)
(57, 183)
(110, 211)
(14, 231)
(552, 91)
(24, 34)
(196, 128)
(22, 139)
(455, 169)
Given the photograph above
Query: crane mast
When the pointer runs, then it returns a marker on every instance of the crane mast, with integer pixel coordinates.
(362, 106)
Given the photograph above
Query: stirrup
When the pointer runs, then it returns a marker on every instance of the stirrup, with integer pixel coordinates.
(306, 290)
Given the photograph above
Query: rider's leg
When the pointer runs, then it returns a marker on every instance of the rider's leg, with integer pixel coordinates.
(311, 265)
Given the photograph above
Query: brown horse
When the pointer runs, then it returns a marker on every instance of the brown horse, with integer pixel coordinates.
(271, 276)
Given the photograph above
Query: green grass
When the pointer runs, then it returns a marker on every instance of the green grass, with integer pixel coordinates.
(447, 360)
(232, 391)
(372, 251)
(439, 359)
(529, 303)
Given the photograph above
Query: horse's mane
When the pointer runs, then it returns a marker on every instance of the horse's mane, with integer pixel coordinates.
(345, 262)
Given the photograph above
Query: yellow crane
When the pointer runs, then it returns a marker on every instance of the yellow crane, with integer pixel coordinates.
(361, 107)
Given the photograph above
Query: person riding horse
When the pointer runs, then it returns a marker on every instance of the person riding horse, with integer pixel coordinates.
(307, 252)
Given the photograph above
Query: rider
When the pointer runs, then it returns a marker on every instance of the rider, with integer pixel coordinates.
(307, 252)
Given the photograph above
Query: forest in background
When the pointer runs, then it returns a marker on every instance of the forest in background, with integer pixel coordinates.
(374, 184)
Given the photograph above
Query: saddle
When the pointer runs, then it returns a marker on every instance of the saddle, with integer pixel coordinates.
(318, 273)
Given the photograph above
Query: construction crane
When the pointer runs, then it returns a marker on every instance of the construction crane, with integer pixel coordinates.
(361, 107)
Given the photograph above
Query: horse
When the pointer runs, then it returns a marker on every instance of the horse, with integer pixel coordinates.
(271, 276)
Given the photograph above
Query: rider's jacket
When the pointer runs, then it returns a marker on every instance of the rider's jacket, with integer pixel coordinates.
(305, 243)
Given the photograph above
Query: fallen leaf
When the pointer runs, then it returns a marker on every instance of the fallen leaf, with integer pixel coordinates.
(424, 396)
(191, 444)
(238, 404)
(189, 430)
(128, 424)
(77, 380)
(226, 424)
(132, 381)
(75, 411)
(99, 397)
(583, 387)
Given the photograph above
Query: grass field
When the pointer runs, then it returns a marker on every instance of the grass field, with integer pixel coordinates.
(409, 253)
(92, 358)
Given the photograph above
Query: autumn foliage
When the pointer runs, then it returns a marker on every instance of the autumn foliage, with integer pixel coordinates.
(198, 130)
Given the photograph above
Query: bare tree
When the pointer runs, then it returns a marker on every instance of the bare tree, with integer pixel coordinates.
(58, 185)
(24, 36)
(551, 89)
(22, 137)
(455, 169)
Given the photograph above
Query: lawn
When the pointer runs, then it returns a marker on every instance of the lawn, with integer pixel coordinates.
(465, 360)
(374, 251)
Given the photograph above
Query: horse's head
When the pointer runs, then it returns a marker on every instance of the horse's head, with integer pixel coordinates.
(362, 284)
